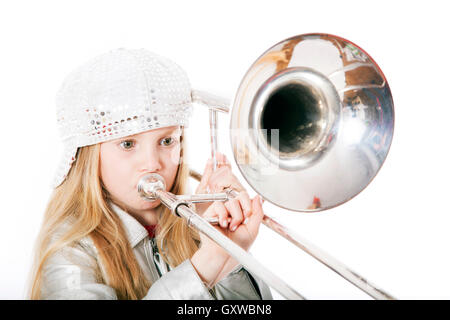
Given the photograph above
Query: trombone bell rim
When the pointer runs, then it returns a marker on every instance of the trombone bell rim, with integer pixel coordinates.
(350, 105)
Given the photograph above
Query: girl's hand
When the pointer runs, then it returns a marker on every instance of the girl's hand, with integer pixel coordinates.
(211, 261)
(243, 232)
(219, 180)
(239, 220)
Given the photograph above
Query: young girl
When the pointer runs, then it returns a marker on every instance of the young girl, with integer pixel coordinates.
(121, 116)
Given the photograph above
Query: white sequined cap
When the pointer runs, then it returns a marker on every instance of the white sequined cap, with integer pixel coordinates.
(120, 93)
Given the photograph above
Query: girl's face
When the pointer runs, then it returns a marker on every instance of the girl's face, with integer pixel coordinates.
(124, 161)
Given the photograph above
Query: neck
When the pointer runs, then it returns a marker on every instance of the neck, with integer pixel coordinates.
(148, 217)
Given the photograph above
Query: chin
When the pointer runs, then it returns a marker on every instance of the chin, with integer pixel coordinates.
(145, 205)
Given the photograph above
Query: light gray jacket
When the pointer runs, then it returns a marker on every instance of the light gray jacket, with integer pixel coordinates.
(72, 273)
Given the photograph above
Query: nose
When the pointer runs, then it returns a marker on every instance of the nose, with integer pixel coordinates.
(150, 160)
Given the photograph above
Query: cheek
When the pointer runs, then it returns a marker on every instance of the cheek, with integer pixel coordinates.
(112, 171)
(173, 157)
(172, 161)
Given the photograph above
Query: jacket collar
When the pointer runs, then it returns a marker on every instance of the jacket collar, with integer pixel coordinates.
(134, 230)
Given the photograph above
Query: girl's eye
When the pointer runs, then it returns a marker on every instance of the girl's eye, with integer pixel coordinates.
(167, 141)
(127, 144)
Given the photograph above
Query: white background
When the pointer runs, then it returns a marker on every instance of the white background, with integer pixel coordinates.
(395, 233)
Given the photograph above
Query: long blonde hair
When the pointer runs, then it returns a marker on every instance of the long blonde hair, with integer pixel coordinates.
(82, 200)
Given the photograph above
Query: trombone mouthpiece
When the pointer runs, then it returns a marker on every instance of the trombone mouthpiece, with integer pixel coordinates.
(149, 184)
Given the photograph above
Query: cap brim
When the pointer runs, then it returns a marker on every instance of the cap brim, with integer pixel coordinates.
(63, 168)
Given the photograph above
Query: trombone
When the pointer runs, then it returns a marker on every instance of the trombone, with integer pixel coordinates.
(313, 110)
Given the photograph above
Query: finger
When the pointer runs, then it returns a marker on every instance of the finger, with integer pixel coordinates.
(257, 215)
(223, 178)
(245, 202)
(220, 179)
(222, 160)
(222, 212)
(235, 211)
(201, 188)
(217, 210)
